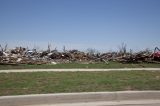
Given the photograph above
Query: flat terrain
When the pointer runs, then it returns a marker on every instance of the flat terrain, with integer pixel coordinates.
(58, 82)
(86, 66)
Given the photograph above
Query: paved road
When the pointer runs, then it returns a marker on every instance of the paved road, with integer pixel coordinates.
(120, 98)
(115, 103)
(73, 70)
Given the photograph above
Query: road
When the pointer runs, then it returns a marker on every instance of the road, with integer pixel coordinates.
(119, 98)
(113, 103)
(73, 70)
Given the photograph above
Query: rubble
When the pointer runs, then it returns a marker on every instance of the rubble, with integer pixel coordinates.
(21, 55)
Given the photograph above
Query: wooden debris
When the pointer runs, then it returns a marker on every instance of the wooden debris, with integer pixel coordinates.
(22, 55)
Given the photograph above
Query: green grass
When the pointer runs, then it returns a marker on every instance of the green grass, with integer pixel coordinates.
(58, 82)
(74, 65)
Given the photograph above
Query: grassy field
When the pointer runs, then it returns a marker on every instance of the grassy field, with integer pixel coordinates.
(56, 82)
(74, 65)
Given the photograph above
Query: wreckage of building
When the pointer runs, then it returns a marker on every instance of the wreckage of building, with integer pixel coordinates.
(21, 55)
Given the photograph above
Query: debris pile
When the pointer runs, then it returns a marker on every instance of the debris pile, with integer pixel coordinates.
(21, 55)
(143, 56)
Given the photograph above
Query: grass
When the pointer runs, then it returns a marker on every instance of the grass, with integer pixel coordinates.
(58, 82)
(75, 65)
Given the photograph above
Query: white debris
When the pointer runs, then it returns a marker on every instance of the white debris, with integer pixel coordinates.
(19, 59)
(53, 62)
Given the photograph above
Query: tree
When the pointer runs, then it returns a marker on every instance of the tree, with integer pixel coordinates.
(49, 47)
(92, 51)
(123, 49)
(64, 49)
(5, 47)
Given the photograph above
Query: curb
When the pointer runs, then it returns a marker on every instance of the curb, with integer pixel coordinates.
(36, 99)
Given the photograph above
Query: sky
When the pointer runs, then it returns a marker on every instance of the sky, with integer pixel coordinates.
(80, 24)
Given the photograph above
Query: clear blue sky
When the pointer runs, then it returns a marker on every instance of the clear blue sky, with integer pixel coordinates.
(80, 24)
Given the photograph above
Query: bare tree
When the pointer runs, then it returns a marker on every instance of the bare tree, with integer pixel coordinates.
(49, 47)
(1, 48)
(64, 49)
(35, 48)
(5, 47)
(92, 51)
(123, 49)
